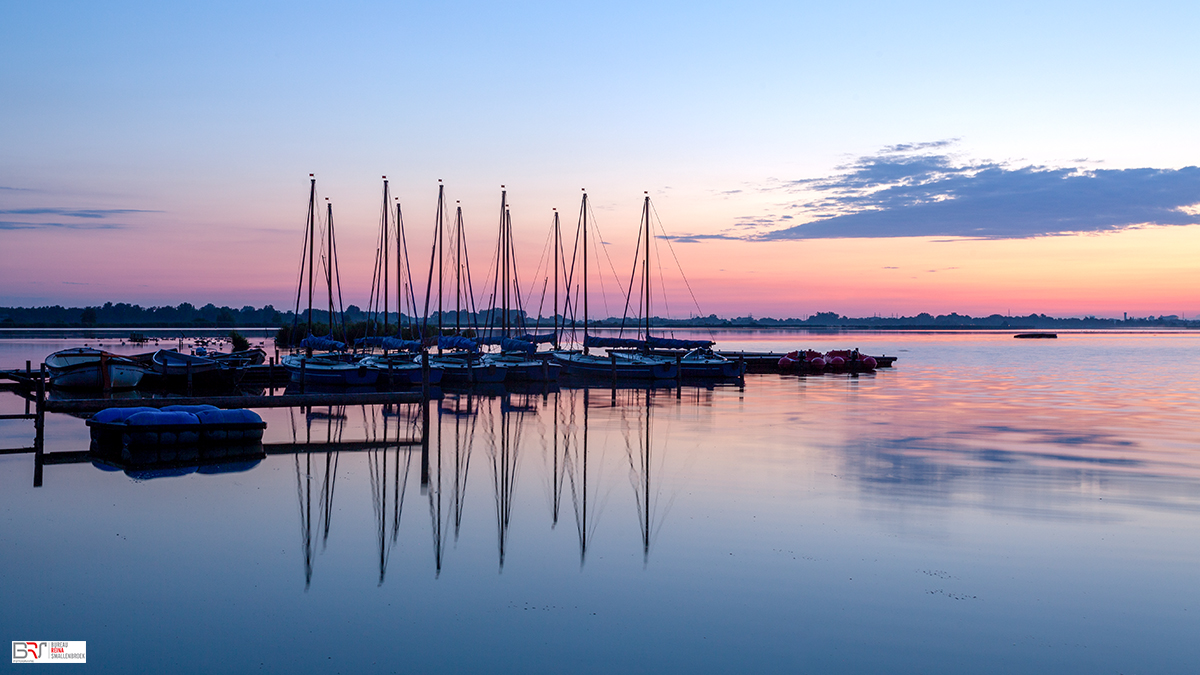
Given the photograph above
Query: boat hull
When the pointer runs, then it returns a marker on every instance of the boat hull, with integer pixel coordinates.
(530, 370)
(330, 372)
(458, 372)
(85, 368)
(401, 372)
(588, 366)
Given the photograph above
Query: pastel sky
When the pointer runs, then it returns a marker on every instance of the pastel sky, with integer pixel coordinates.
(858, 157)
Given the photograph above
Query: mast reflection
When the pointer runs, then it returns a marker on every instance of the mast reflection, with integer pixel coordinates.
(308, 465)
(379, 469)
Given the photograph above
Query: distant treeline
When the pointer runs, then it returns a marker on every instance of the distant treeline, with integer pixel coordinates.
(928, 321)
(186, 315)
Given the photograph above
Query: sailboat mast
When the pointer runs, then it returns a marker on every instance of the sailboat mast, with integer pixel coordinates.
(458, 238)
(583, 209)
(646, 267)
(384, 257)
(329, 263)
(441, 242)
(556, 250)
(399, 272)
(503, 263)
(514, 294)
(312, 242)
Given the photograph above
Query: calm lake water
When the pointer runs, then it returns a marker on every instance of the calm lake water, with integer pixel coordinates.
(989, 505)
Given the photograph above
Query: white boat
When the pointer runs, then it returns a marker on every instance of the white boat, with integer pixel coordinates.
(330, 369)
(90, 368)
(400, 369)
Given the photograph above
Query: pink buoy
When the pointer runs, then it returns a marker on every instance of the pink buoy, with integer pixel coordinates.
(869, 363)
(817, 363)
(837, 361)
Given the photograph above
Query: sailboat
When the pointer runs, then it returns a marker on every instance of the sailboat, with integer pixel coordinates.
(332, 366)
(518, 355)
(584, 364)
(396, 365)
(694, 358)
(457, 355)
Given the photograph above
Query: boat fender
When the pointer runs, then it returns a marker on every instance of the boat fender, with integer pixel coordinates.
(869, 363)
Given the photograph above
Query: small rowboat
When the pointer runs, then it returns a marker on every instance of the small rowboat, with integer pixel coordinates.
(89, 368)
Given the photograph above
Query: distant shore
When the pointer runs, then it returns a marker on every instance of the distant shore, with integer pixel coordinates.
(187, 317)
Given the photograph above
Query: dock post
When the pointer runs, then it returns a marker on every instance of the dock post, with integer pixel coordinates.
(612, 359)
(425, 436)
(425, 381)
(302, 377)
(39, 430)
(28, 379)
(189, 378)
(271, 376)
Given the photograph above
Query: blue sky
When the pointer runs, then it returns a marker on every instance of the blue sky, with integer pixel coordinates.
(183, 122)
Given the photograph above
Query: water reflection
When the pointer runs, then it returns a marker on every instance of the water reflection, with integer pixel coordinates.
(315, 471)
(506, 427)
(1035, 507)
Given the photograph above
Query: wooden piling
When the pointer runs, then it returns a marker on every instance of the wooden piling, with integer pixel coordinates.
(425, 378)
(302, 377)
(39, 430)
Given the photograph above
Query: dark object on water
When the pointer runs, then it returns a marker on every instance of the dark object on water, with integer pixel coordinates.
(768, 362)
(175, 435)
(1036, 336)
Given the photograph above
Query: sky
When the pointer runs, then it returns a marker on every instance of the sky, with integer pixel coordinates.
(865, 158)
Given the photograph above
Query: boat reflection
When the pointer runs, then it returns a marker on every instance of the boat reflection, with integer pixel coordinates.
(311, 468)
(556, 425)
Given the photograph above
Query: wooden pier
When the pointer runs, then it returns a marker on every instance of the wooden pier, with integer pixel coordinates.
(31, 385)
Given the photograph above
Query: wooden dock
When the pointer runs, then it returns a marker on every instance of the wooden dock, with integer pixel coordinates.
(91, 405)
(31, 386)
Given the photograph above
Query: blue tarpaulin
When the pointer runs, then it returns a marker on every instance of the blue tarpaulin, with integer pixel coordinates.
(540, 338)
(652, 343)
(391, 343)
(672, 343)
(326, 344)
(457, 342)
(595, 341)
(511, 345)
